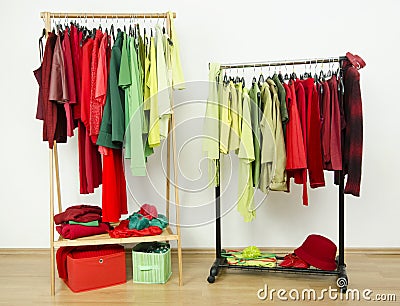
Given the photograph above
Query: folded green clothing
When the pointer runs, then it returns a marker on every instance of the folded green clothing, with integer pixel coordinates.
(161, 221)
(137, 221)
(91, 223)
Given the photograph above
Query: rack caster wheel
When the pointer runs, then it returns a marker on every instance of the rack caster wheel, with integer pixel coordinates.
(211, 279)
(213, 271)
(342, 283)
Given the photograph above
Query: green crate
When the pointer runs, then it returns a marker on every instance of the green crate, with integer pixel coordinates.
(150, 268)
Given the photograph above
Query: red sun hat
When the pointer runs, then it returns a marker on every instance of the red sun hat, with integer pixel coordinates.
(318, 251)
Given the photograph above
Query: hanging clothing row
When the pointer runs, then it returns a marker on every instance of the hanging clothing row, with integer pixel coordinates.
(116, 89)
(286, 127)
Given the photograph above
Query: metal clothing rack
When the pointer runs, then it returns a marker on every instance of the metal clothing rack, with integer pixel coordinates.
(221, 262)
(167, 234)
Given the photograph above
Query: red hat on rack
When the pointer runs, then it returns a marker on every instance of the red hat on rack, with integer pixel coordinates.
(355, 60)
(318, 251)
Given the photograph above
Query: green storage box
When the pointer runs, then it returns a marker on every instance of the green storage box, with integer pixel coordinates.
(150, 268)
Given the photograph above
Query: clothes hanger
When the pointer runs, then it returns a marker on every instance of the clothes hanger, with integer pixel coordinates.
(261, 79)
(254, 81)
(293, 76)
(316, 78)
(286, 78)
(242, 79)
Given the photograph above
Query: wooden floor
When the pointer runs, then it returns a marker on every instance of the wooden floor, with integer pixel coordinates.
(24, 280)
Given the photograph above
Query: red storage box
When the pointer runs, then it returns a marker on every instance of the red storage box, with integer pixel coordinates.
(95, 267)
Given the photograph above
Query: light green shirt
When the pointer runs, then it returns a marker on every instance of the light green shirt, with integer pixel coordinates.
(211, 122)
(255, 122)
(154, 123)
(234, 111)
(225, 119)
(164, 89)
(246, 157)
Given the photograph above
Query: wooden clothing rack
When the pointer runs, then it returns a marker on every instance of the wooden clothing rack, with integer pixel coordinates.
(167, 234)
(221, 262)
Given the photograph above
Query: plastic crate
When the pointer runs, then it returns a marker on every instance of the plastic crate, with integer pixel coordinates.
(150, 268)
(96, 267)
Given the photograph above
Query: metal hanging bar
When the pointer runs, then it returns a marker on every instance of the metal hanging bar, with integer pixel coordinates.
(105, 15)
(283, 62)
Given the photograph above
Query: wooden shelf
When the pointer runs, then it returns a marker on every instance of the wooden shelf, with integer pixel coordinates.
(166, 235)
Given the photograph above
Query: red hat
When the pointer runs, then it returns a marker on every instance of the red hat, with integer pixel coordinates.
(318, 251)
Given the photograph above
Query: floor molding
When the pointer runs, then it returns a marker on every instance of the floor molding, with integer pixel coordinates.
(209, 251)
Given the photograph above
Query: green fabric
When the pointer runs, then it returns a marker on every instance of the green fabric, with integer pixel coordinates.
(146, 101)
(225, 119)
(246, 156)
(234, 111)
(137, 221)
(112, 126)
(125, 82)
(161, 221)
(211, 123)
(90, 223)
(279, 169)
(282, 102)
(268, 144)
(135, 127)
(164, 93)
(154, 123)
(254, 93)
(177, 73)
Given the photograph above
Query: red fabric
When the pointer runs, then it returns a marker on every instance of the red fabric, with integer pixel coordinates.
(69, 71)
(335, 157)
(314, 148)
(79, 213)
(114, 186)
(76, 61)
(326, 124)
(39, 109)
(296, 160)
(122, 231)
(302, 106)
(73, 231)
(353, 133)
(81, 155)
(95, 109)
(86, 81)
(61, 259)
(96, 250)
(49, 108)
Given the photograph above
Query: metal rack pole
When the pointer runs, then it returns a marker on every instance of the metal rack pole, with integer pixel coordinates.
(284, 62)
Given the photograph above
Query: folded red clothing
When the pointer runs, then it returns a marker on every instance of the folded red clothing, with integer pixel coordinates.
(96, 250)
(73, 231)
(122, 231)
(79, 213)
(61, 258)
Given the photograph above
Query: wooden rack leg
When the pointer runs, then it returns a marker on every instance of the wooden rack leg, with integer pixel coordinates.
(52, 270)
(178, 224)
(57, 177)
(174, 156)
(168, 183)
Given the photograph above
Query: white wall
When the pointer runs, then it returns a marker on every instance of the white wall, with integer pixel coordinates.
(223, 31)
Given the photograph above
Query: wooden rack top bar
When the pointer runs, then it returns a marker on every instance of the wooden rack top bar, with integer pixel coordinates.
(105, 15)
(311, 61)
